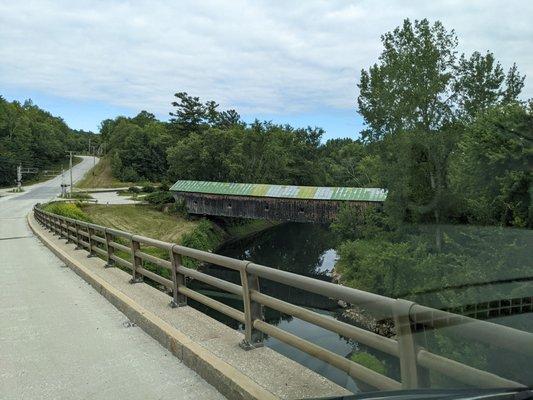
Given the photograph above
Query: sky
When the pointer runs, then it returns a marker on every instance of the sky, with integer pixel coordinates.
(294, 62)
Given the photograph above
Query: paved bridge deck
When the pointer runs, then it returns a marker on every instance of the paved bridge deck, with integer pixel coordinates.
(59, 339)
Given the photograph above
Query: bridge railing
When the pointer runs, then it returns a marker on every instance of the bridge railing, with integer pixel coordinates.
(126, 250)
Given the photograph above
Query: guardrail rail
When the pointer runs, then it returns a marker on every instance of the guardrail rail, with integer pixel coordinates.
(414, 359)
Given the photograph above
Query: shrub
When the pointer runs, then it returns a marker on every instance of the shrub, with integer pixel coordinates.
(134, 189)
(203, 237)
(69, 210)
(148, 189)
(159, 198)
(369, 361)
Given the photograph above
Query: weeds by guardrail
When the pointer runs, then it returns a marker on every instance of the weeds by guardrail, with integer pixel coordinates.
(126, 249)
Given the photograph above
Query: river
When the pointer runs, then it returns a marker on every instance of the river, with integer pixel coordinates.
(308, 249)
(305, 249)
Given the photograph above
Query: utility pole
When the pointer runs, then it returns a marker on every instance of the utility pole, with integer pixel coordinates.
(63, 186)
(19, 177)
(94, 156)
(20, 172)
(70, 165)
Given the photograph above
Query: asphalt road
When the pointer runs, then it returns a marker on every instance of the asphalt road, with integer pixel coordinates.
(59, 339)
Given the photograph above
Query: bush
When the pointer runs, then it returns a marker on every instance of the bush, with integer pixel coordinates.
(148, 189)
(164, 187)
(203, 237)
(369, 361)
(69, 210)
(134, 189)
(159, 198)
(180, 207)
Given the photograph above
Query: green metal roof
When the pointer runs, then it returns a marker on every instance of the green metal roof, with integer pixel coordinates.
(281, 191)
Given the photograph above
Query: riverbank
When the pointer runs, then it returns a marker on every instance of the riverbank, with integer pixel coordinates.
(169, 226)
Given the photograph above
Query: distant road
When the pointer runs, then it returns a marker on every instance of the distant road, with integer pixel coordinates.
(59, 339)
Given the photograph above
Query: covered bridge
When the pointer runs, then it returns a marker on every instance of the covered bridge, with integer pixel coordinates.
(272, 202)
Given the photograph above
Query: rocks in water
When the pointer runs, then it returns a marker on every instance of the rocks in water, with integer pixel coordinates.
(357, 316)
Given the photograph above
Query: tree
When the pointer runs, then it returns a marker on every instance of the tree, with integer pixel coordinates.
(193, 116)
(411, 87)
(33, 137)
(480, 83)
(144, 118)
(416, 103)
(189, 114)
(491, 171)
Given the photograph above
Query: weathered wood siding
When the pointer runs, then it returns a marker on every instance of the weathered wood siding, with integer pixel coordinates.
(276, 209)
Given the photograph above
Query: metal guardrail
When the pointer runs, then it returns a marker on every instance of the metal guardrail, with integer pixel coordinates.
(415, 360)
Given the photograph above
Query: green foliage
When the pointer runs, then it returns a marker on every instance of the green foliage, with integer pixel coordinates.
(369, 361)
(69, 210)
(148, 189)
(405, 262)
(34, 138)
(159, 198)
(203, 237)
(409, 88)
(193, 116)
(446, 131)
(261, 153)
(490, 172)
(354, 223)
(138, 151)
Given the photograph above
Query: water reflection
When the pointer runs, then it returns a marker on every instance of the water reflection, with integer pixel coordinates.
(494, 266)
(305, 249)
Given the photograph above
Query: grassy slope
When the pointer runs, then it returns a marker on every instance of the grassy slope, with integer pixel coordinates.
(100, 177)
(142, 220)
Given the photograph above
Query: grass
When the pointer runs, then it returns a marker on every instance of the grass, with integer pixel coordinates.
(142, 220)
(145, 220)
(100, 176)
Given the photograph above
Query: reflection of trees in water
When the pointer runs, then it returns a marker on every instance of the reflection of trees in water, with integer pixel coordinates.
(469, 255)
(290, 247)
(271, 316)
(293, 247)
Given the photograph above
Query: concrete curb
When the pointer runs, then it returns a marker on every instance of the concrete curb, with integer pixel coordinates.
(225, 378)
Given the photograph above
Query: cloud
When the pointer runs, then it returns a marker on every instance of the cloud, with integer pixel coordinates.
(265, 57)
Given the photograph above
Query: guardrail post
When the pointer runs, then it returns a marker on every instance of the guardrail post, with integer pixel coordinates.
(252, 311)
(406, 344)
(67, 229)
(90, 233)
(77, 228)
(48, 223)
(178, 279)
(110, 249)
(56, 227)
(136, 262)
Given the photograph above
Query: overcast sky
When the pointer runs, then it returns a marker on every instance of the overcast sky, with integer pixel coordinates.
(286, 61)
